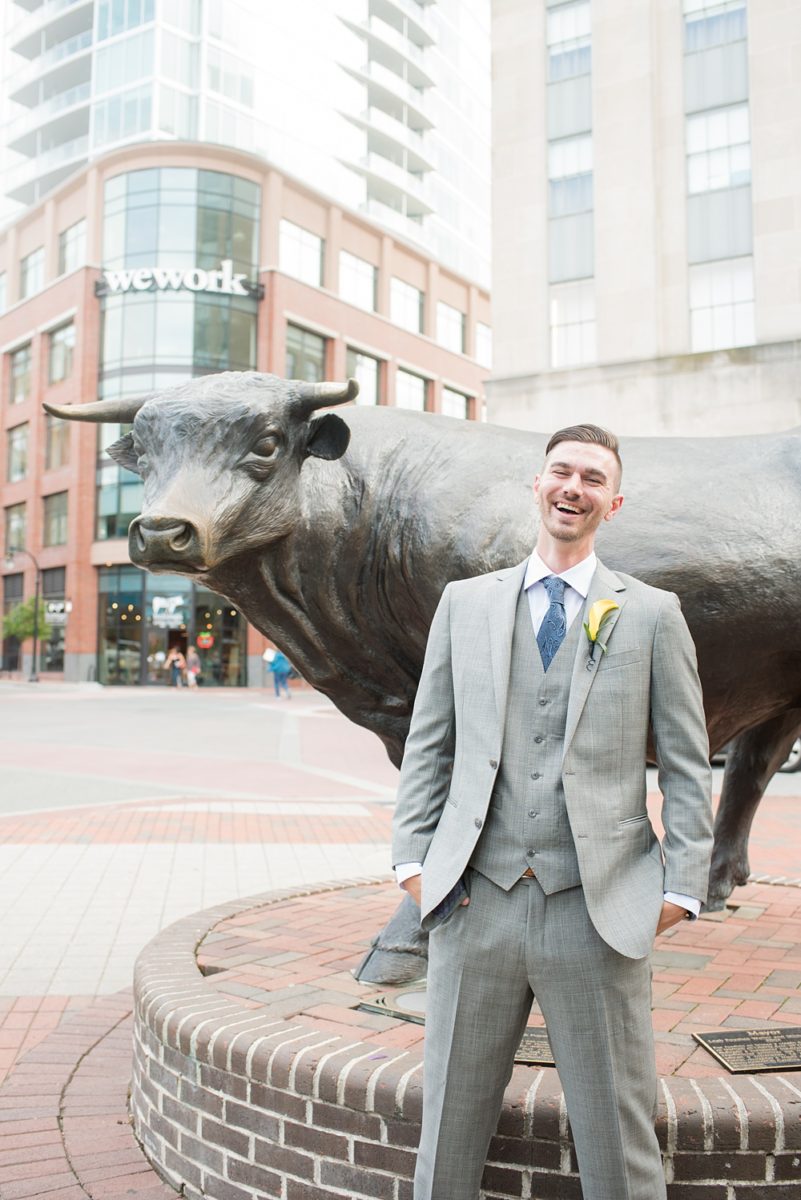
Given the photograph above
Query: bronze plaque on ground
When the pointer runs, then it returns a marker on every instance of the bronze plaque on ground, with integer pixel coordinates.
(408, 1003)
(750, 1050)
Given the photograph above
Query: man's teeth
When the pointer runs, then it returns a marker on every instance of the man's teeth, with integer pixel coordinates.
(568, 508)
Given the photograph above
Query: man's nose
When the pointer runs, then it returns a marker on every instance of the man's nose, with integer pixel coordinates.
(573, 485)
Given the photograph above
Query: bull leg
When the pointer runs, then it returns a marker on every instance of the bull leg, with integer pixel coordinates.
(399, 953)
(752, 761)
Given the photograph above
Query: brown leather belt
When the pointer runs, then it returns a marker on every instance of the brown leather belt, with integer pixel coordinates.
(528, 874)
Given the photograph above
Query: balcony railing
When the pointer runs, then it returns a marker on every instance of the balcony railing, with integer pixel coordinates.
(45, 162)
(48, 108)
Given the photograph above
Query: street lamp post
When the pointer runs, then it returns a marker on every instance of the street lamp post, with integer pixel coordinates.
(10, 553)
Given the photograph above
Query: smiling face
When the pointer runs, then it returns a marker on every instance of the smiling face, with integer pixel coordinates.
(576, 490)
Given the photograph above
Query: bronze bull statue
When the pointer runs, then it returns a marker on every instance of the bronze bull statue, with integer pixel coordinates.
(335, 536)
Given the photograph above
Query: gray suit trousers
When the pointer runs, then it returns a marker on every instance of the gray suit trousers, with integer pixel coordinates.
(486, 962)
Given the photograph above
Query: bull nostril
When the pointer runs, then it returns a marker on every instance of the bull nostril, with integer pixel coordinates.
(181, 540)
(140, 538)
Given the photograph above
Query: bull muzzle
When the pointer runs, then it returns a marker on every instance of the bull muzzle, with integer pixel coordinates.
(165, 544)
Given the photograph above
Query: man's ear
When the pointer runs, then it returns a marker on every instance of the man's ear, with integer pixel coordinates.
(123, 453)
(328, 437)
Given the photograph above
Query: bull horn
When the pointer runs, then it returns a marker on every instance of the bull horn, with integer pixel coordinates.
(320, 395)
(112, 411)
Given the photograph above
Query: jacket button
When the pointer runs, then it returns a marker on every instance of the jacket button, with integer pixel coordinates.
(543, 701)
(535, 775)
(532, 812)
(538, 738)
(477, 822)
(493, 762)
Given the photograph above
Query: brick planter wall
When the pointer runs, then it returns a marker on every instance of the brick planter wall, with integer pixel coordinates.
(233, 1102)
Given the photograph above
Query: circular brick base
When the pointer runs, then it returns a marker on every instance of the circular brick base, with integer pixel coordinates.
(255, 1076)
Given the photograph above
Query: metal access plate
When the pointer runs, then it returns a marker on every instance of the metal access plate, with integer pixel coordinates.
(409, 1004)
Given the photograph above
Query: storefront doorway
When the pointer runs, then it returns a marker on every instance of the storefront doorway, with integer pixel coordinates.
(143, 617)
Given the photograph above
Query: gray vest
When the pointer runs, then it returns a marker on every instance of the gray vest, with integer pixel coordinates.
(527, 823)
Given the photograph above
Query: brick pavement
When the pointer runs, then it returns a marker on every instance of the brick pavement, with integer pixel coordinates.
(86, 879)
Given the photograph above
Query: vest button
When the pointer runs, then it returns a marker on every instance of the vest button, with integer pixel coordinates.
(532, 812)
(493, 762)
(477, 822)
(538, 738)
(530, 853)
(535, 775)
(543, 700)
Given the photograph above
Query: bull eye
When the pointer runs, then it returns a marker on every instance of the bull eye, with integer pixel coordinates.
(266, 447)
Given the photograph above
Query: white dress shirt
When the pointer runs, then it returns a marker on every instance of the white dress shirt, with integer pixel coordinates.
(578, 579)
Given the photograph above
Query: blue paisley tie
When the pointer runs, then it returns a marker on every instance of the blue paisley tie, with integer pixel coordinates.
(554, 623)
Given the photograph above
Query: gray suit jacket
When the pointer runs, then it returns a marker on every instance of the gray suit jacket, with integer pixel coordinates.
(647, 678)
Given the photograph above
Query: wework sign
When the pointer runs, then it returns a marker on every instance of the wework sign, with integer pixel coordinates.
(224, 282)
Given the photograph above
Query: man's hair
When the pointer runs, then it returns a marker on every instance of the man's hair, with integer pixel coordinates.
(593, 434)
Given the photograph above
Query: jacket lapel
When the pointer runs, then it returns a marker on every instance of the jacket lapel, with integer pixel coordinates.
(605, 585)
(501, 610)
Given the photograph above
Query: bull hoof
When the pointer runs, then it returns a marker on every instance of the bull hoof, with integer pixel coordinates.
(390, 968)
(724, 877)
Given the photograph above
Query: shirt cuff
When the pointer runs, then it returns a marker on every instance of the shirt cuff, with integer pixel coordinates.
(404, 871)
(692, 905)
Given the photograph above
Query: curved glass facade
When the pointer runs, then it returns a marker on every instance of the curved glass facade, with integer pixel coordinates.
(180, 299)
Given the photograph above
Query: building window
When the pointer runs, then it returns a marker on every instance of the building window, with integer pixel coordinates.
(55, 519)
(17, 460)
(366, 371)
(722, 304)
(406, 305)
(115, 16)
(568, 37)
(119, 500)
(450, 327)
(454, 404)
(570, 175)
(62, 346)
(300, 254)
(72, 247)
(54, 597)
(572, 321)
(483, 345)
(718, 149)
(708, 23)
(16, 528)
(357, 281)
(20, 375)
(31, 273)
(57, 442)
(305, 355)
(126, 61)
(3, 292)
(123, 115)
(410, 391)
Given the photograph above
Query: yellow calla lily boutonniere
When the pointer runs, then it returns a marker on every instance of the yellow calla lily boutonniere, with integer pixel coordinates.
(599, 614)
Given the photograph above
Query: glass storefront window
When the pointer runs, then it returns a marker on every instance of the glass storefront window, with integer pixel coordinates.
(52, 643)
(143, 617)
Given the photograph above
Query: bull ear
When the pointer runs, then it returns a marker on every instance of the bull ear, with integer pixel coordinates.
(122, 451)
(328, 437)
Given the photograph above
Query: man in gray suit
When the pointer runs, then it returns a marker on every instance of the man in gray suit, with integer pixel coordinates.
(521, 831)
